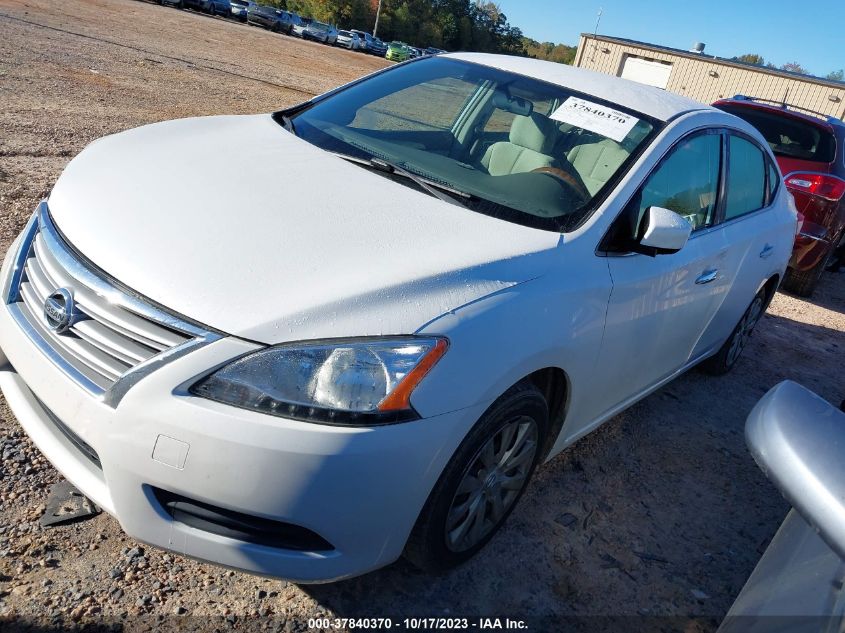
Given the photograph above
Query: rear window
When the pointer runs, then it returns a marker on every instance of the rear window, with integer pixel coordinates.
(789, 137)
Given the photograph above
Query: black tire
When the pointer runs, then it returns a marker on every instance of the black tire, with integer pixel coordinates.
(725, 359)
(212, 10)
(803, 283)
(427, 547)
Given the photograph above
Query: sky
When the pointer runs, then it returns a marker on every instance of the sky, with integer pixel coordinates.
(780, 31)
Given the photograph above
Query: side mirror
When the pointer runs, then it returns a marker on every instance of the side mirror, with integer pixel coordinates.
(663, 232)
(797, 439)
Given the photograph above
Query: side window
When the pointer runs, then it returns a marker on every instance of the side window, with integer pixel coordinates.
(774, 179)
(746, 178)
(687, 182)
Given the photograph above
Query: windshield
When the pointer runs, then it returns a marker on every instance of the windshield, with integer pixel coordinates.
(514, 147)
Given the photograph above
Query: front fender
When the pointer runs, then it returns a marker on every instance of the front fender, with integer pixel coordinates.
(499, 340)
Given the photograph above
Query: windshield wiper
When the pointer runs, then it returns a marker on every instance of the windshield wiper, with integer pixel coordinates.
(288, 123)
(436, 189)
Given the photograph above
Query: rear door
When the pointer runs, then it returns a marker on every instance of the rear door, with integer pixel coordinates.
(757, 227)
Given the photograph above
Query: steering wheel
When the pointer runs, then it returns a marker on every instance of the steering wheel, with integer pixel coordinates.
(573, 181)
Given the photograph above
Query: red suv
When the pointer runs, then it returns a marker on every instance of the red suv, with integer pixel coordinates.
(810, 150)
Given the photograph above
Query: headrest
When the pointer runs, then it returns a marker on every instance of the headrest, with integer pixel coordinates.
(535, 132)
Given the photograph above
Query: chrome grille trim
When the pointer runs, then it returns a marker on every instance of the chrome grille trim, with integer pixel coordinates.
(119, 339)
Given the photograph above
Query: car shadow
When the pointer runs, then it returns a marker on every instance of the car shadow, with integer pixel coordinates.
(829, 293)
(662, 507)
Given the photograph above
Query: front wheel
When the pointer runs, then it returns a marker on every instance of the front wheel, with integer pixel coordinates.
(483, 482)
(727, 356)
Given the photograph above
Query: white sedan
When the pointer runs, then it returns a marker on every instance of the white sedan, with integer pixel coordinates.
(258, 378)
(348, 39)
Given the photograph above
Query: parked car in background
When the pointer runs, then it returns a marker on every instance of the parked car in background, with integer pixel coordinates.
(398, 52)
(309, 424)
(348, 39)
(365, 40)
(317, 31)
(797, 438)
(376, 47)
(300, 26)
(212, 7)
(332, 38)
(293, 19)
(810, 150)
(276, 20)
(433, 51)
(240, 9)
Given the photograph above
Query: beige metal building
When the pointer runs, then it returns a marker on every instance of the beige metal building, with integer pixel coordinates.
(706, 78)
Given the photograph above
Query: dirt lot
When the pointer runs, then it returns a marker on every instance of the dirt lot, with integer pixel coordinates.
(662, 512)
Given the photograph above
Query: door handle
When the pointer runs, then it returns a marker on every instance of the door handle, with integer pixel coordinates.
(768, 249)
(707, 276)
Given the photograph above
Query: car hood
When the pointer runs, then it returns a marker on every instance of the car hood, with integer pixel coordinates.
(238, 224)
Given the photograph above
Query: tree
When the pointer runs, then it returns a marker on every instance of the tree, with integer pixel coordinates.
(751, 58)
(472, 25)
(795, 67)
(560, 53)
(836, 75)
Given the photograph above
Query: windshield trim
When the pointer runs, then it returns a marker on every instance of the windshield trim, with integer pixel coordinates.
(563, 224)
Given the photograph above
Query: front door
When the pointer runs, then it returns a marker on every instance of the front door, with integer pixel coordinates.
(660, 306)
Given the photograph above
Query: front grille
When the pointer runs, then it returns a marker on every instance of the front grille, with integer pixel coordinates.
(113, 333)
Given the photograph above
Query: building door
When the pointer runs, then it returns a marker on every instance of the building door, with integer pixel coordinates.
(646, 71)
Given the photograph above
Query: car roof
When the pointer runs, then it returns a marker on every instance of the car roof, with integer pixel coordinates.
(786, 110)
(648, 100)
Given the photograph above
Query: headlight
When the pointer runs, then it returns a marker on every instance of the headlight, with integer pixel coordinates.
(362, 381)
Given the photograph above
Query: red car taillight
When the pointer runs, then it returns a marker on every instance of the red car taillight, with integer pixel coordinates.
(823, 185)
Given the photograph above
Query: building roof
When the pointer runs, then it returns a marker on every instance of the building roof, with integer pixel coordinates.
(717, 60)
(648, 100)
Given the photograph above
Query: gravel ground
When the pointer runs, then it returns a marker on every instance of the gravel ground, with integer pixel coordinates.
(660, 513)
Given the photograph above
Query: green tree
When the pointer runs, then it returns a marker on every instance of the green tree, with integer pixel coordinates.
(836, 75)
(560, 53)
(751, 58)
(795, 67)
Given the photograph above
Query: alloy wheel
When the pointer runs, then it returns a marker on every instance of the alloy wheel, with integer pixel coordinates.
(744, 329)
(491, 483)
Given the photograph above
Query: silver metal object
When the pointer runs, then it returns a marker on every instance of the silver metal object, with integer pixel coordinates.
(707, 276)
(491, 484)
(744, 329)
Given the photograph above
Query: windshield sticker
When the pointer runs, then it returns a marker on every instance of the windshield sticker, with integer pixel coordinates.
(595, 118)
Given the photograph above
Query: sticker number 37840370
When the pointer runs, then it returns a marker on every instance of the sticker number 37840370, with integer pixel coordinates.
(595, 118)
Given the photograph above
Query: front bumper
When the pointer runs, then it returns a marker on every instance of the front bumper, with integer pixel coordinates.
(361, 489)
